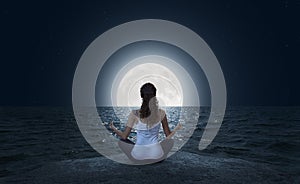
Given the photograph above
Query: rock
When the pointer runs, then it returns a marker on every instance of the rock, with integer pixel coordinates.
(182, 167)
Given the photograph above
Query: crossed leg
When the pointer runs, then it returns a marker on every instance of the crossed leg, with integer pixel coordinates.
(127, 146)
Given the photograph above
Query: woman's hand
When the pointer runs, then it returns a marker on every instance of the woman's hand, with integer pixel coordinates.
(124, 134)
(111, 125)
(179, 126)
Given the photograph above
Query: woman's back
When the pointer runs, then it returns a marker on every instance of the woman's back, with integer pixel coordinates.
(147, 135)
(147, 145)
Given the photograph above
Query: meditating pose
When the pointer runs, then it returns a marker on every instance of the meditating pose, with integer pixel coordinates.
(147, 121)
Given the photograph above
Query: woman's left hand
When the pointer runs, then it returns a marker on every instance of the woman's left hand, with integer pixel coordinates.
(179, 126)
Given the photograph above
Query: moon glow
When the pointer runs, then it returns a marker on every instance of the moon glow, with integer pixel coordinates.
(169, 90)
(175, 87)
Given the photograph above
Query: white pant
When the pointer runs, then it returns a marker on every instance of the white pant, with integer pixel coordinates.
(149, 151)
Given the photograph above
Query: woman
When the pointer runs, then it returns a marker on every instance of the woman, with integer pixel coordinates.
(146, 121)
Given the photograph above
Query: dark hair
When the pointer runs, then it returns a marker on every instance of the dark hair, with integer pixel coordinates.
(147, 91)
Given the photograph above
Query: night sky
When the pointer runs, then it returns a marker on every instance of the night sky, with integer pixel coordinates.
(257, 44)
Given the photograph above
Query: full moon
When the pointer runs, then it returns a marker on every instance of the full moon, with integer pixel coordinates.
(169, 91)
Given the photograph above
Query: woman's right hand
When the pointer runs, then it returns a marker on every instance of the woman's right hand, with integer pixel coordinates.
(179, 126)
(111, 125)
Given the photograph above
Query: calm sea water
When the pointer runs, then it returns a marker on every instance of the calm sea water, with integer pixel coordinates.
(34, 136)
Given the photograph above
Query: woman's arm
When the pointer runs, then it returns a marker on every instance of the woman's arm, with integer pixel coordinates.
(124, 134)
(174, 131)
(166, 128)
(131, 121)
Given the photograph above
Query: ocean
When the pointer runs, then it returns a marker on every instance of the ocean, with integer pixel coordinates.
(32, 137)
